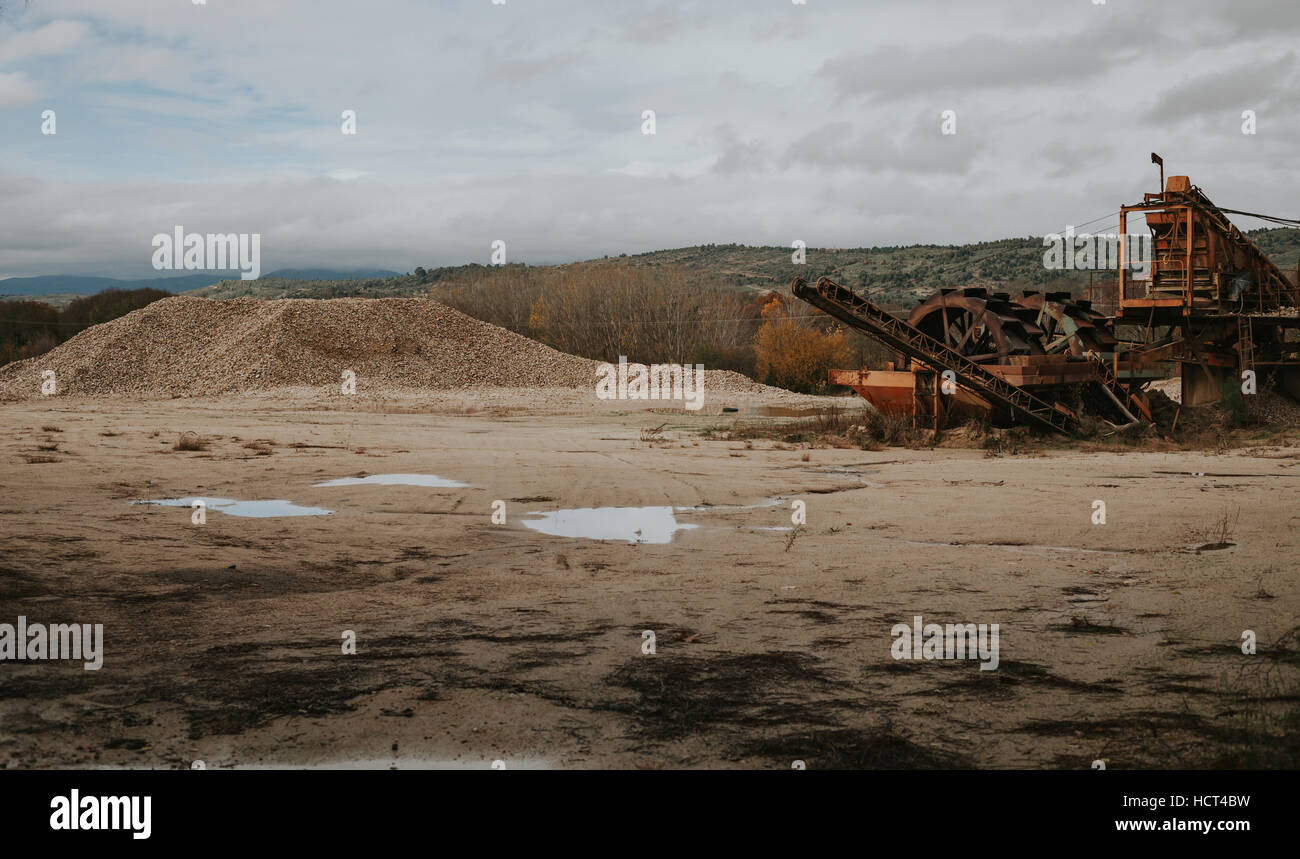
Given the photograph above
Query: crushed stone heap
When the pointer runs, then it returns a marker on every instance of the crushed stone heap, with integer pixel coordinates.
(185, 346)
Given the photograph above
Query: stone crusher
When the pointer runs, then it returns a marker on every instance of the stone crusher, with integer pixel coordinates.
(1213, 301)
(1035, 362)
(1211, 306)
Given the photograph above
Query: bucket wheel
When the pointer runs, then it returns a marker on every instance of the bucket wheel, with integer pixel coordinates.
(985, 328)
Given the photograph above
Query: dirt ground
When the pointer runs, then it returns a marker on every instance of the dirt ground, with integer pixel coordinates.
(479, 642)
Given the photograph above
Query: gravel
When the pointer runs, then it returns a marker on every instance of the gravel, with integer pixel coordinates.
(1268, 405)
(185, 346)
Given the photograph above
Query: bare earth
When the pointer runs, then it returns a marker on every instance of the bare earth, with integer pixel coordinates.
(479, 642)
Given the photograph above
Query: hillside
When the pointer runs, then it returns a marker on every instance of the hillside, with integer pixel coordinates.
(892, 275)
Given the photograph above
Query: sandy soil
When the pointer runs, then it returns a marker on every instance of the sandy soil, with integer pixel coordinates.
(479, 642)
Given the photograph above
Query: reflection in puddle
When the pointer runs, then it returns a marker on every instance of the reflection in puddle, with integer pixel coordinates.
(249, 509)
(395, 480)
(633, 524)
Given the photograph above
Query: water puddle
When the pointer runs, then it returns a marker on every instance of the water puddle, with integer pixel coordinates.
(396, 480)
(247, 509)
(1198, 548)
(632, 524)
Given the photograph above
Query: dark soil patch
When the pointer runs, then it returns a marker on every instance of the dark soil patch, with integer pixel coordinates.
(1083, 626)
(681, 695)
(848, 749)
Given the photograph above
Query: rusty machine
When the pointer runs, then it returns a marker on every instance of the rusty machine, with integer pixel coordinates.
(1210, 306)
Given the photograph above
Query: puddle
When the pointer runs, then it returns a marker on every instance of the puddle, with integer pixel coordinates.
(1197, 548)
(632, 524)
(248, 509)
(396, 480)
(636, 524)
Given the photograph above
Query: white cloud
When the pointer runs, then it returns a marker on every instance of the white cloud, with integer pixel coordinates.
(53, 39)
(15, 89)
(522, 122)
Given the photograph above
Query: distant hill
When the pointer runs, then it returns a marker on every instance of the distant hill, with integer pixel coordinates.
(56, 283)
(893, 276)
(897, 275)
(68, 284)
(329, 274)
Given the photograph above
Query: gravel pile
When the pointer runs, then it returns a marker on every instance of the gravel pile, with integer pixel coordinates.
(1276, 409)
(1268, 405)
(186, 346)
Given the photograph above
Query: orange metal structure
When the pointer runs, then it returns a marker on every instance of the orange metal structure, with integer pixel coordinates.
(1201, 263)
(1212, 307)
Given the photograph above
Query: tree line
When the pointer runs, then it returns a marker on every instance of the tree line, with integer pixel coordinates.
(31, 328)
(656, 315)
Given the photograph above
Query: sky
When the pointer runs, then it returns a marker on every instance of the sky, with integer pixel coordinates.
(522, 121)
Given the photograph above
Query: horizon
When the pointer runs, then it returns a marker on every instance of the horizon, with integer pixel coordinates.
(173, 274)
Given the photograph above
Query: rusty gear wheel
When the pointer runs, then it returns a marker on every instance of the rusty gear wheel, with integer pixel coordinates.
(985, 328)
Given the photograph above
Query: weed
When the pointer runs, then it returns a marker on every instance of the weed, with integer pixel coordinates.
(190, 441)
(1216, 534)
(794, 535)
(653, 434)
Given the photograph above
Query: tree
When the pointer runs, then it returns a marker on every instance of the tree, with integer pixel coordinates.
(795, 354)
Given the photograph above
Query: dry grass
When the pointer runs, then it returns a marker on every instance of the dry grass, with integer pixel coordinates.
(190, 441)
(1216, 534)
(794, 535)
(836, 427)
(653, 434)
(1265, 717)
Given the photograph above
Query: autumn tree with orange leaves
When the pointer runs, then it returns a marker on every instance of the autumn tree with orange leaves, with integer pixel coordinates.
(795, 348)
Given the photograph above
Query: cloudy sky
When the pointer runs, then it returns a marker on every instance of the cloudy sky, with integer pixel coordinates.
(522, 121)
